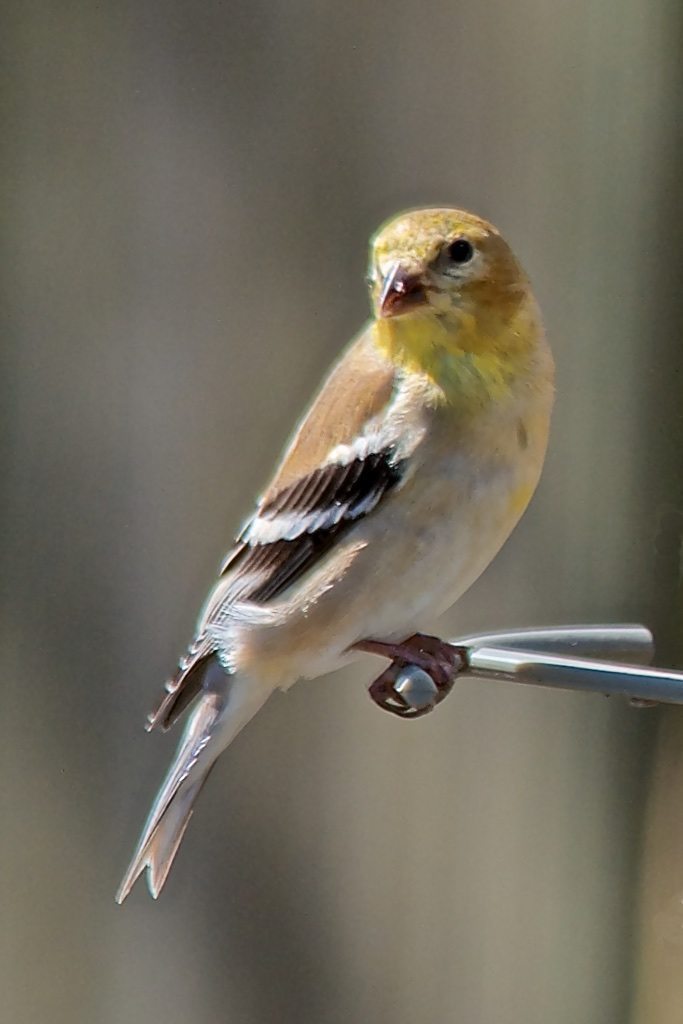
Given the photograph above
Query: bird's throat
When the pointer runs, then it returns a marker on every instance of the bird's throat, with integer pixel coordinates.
(468, 361)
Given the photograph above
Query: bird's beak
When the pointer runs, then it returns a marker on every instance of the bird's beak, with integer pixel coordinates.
(402, 291)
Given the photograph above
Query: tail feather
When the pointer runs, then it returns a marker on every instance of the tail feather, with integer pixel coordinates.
(226, 705)
(165, 842)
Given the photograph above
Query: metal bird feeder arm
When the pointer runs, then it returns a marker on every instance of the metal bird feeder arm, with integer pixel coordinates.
(609, 660)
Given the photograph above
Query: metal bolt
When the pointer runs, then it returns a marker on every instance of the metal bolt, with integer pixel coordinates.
(416, 687)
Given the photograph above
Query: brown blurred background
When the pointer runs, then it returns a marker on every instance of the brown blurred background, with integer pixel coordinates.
(189, 189)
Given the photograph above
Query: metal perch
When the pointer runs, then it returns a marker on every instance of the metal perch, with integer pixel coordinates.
(608, 660)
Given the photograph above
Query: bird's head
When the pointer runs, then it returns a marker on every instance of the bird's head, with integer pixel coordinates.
(444, 282)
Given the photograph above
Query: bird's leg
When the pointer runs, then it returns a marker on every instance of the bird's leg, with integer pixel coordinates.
(442, 661)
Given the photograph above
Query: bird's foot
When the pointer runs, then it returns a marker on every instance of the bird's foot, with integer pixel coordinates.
(439, 660)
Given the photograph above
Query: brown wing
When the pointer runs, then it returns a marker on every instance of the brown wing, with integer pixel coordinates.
(182, 688)
(305, 509)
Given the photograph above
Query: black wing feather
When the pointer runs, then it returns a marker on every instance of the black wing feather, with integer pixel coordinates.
(262, 571)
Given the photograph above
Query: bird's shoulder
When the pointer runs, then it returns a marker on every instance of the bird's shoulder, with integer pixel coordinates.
(342, 459)
(359, 387)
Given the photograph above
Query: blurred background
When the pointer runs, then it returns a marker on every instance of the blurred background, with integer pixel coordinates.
(189, 189)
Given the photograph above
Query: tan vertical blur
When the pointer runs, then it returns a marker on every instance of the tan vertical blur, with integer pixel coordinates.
(190, 191)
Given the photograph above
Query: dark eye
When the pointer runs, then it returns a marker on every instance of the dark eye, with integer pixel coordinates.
(460, 251)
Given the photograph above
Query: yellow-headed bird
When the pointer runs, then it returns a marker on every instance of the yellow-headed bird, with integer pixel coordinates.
(405, 477)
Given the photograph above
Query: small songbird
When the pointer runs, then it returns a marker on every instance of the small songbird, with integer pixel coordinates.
(410, 469)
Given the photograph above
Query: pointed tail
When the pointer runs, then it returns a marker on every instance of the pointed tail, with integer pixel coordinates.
(226, 704)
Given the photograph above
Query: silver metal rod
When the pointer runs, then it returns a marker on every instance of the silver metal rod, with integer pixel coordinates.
(572, 673)
(630, 642)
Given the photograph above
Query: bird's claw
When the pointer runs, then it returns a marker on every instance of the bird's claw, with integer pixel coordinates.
(421, 655)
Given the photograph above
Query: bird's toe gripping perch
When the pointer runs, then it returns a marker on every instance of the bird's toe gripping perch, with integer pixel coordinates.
(422, 672)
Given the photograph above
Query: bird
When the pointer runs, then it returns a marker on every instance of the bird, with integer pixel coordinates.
(405, 477)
